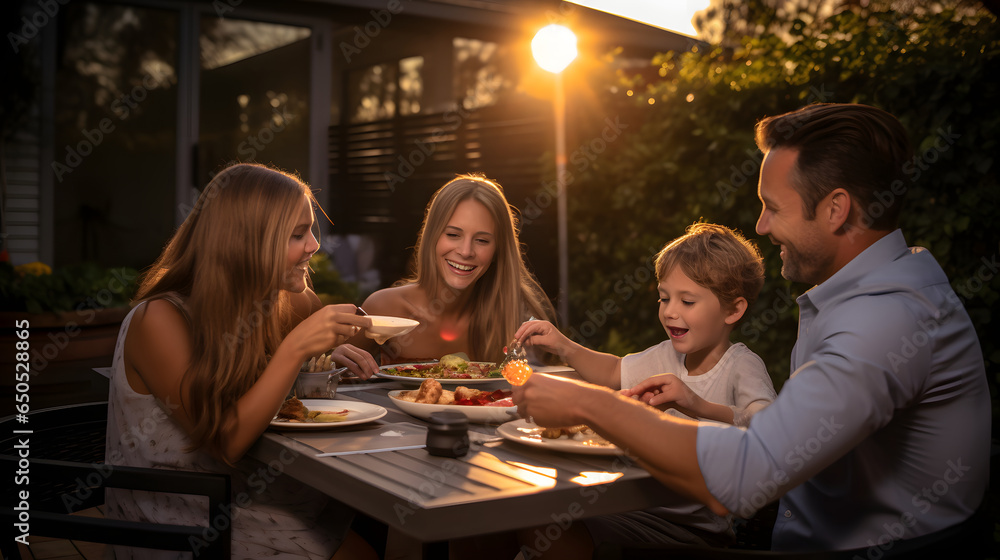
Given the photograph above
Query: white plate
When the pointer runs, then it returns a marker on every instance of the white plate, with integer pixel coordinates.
(357, 413)
(383, 328)
(419, 380)
(483, 414)
(522, 431)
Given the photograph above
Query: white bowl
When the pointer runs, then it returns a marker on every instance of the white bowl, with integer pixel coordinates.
(481, 414)
(383, 328)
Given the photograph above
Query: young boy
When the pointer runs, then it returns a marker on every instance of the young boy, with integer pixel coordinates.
(707, 279)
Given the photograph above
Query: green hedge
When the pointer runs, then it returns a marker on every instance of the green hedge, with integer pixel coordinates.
(690, 155)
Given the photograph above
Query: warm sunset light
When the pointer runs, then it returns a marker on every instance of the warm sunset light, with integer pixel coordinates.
(675, 15)
(589, 478)
(554, 47)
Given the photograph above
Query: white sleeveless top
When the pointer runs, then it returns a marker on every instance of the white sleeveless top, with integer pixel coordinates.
(273, 515)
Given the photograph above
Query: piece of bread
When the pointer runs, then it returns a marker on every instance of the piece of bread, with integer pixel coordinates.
(464, 393)
(430, 392)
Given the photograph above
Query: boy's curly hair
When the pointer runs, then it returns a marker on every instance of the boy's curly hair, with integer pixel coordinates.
(716, 258)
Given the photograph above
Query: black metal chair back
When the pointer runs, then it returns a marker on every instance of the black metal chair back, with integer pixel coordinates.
(64, 456)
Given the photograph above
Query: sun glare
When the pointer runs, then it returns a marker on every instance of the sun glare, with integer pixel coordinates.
(554, 47)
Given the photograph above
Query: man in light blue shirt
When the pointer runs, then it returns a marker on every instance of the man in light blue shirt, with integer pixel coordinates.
(882, 432)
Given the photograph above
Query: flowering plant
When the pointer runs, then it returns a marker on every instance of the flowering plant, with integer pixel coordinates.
(37, 288)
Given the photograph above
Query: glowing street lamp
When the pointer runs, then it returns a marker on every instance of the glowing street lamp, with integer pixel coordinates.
(554, 47)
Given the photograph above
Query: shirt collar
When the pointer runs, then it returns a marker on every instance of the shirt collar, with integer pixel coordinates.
(887, 249)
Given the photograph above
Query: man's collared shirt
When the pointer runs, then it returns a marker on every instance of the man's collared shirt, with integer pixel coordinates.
(883, 430)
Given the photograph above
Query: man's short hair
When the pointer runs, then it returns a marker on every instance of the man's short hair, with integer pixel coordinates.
(717, 258)
(857, 147)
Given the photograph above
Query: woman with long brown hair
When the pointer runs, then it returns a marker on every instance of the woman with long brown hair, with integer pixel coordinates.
(224, 320)
(470, 288)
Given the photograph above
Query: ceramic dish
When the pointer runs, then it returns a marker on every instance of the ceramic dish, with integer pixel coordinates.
(357, 413)
(383, 328)
(417, 379)
(481, 414)
(527, 433)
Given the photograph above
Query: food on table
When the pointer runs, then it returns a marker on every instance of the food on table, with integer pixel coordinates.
(292, 410)
(450, 366)
(517, 372)
(430, 392)
(579, 432)
(461, 396)
(323, 362)
(453, 361)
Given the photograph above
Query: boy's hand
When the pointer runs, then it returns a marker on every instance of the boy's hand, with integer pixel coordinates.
(544, 335)
(666, 391)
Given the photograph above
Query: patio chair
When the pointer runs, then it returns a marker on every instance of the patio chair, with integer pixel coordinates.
(66, 471)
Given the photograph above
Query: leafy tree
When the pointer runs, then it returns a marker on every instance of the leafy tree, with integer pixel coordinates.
(691, 156)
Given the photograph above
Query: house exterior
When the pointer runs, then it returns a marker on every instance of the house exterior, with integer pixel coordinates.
(133, 105)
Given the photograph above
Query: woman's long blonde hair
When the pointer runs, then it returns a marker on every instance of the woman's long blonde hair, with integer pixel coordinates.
(227, 262)
(507, 294)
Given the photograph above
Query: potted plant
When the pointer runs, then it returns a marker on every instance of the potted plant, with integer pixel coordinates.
(72, 312)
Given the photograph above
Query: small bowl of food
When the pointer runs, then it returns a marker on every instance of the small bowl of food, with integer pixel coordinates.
(318, 379)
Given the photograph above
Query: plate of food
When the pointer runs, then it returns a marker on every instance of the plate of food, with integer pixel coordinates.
(575, 439)
(477, 406)
(323, 414)
(449, 370)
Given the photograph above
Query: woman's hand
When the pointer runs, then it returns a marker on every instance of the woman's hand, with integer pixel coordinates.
(329, 327)
(357, 360)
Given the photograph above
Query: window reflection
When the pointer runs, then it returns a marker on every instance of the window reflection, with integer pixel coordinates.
(382, 91)
(227, 41)
(411, 85)
(254, 95)
(479, 75)
(115, 134)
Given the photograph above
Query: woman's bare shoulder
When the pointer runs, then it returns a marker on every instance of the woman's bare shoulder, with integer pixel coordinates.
(397, 300)
(158, 323)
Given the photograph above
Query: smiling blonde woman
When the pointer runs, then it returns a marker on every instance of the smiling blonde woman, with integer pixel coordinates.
(469, 288)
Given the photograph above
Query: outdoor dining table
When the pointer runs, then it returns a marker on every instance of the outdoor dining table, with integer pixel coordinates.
(498, 486)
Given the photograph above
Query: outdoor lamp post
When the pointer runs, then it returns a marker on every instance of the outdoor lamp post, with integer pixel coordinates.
(554, 47)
